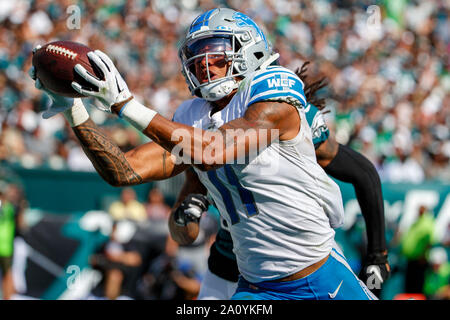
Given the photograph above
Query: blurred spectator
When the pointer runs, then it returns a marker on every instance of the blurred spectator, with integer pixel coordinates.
(118, 260)
(7, 230)
(156, 207)
(16, 197)
(128, 207)
(177, 273)
(388, 95)
(169, 279)
(415, 245)
(387, 67)
(437, 277)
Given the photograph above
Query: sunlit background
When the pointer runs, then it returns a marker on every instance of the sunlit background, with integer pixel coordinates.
(387, 63)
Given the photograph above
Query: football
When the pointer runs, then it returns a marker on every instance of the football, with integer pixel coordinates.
(54, 64)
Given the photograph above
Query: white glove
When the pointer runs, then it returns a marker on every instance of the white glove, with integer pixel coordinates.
(72, 108)
(59, 103)
(112, 91)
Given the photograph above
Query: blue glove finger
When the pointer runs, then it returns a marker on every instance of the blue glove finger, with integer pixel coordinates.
(38, 85)
(32, 72)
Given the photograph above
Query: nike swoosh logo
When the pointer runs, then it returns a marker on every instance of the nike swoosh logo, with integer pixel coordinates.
(333, 295)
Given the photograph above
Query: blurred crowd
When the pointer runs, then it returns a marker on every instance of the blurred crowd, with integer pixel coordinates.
(152, 266)
(387, 67)
(387, 96)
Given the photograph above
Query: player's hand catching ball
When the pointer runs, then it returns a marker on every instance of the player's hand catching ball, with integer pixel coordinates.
(59, 103)
(113, 91)
(191, 209)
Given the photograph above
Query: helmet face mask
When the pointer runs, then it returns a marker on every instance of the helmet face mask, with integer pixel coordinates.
(221, 36)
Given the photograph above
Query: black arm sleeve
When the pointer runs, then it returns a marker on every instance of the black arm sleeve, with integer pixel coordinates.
(352, 167)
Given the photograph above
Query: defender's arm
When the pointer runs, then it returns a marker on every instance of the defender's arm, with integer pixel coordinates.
(345, 164)
(185, 235)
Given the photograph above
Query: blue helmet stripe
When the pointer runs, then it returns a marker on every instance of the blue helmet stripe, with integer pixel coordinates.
(202, 20)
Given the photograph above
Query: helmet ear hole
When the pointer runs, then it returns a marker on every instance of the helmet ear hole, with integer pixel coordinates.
(237, 45)
(258, 55)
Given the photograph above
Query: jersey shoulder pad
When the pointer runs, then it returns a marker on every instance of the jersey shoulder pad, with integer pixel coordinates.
(276, 83)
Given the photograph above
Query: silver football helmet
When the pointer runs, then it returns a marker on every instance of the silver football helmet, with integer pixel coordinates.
(223, 36)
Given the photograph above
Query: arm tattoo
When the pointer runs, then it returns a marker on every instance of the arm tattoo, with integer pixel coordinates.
(107, 158)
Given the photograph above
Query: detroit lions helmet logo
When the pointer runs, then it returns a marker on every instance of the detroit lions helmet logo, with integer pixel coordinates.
(243, 20)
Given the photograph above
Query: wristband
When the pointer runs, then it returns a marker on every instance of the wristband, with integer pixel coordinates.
(137, 114)
(77, 114)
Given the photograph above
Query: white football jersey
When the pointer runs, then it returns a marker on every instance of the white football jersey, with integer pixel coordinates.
(277, 205)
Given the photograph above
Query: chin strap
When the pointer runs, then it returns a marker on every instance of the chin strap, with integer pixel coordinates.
(216, 91)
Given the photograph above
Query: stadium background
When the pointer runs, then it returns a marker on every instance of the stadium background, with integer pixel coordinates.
(387, 65)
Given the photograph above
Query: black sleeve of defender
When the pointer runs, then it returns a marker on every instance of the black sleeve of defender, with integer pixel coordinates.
(352, 167)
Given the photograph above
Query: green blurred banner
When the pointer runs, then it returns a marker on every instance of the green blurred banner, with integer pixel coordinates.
(67, 191)
(395, 10)
(402, 202)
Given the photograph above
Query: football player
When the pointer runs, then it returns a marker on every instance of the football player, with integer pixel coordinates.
(247, 138)
(339, 161)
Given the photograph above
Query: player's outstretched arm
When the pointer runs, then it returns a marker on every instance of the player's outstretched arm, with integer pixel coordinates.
(345, 164)
(206, 149)
(183, 225)
(144, 163)
(262, 123)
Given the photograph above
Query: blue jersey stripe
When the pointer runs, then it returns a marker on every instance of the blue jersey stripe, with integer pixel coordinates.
(276, 82)
(279, 94)
(281, 85)
(310, 112)
(278, 70)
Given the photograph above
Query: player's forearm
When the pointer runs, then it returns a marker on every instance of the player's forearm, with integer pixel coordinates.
(190, 145)
(107, 158)
(350, 166)
(192, 184)
(206, 149)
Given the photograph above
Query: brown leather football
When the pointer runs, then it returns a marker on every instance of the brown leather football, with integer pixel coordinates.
(54, 63)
